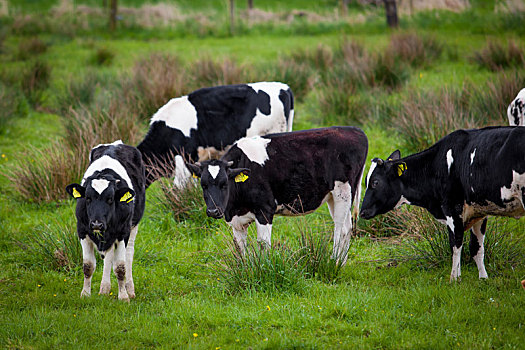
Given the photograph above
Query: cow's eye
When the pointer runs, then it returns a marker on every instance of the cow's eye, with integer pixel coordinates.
(88, 200)
(110, 200)
(204, 187)
(223, 186)
(374, 184)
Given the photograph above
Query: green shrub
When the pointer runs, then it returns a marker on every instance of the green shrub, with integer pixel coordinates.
(495, 56)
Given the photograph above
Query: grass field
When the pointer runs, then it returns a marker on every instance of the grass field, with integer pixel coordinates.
(55, 71)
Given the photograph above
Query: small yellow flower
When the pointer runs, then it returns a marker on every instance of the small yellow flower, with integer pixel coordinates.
(411, 315)
(366, 310)
(494, 328)
(147, 250)
(195, 335)
(217, 347)
(268, 307)
(38, 285)
(54, 295)
(65, 279)
(265, 339)
(218, 279)
(74, 315)
(237, 340)
(3, 155)
(420, 75)
(110, 293)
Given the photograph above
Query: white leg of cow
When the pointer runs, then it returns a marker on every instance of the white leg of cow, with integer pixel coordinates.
(342, 203)
(239, 238)
(119, 267)
(182, 174)
(105, 285)
(455, 230)
(456, 264)
(264, 233)
(479, 237)
(130, 250)
(240, 225)
(89, 264)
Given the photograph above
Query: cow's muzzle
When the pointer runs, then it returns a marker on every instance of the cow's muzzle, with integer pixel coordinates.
(366, 214)
(97, 226)
(214, 213)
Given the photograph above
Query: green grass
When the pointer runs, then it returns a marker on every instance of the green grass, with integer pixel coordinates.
(182, 300)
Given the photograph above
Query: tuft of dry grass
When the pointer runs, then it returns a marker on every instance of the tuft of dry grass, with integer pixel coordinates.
(414, 49)
(495, 56)
(299, 76)
(206, 72)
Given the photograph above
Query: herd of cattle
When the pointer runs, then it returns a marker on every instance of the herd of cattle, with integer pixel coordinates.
(266, 169)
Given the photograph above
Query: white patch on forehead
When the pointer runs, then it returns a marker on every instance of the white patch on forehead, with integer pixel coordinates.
(263, 124)
(214, 170)
(100, 185)
(254, 148)
(372, 168)
(115, 143)
(472, 155)
(178, 114)
(450, 159)
(106, 162)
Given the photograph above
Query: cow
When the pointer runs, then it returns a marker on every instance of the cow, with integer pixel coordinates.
(463, 178)
(516, 110)
(209, 120)
(110, 204)
(287, 174)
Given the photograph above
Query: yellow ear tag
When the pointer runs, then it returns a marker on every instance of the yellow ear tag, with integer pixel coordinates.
(76, 194)
(127, 197)
(401, 168)
(194, 176)
(241, 177)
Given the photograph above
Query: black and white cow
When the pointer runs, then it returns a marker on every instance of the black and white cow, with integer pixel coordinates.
(287, 174)
(214, 118)
(516, 110)
(110, 204)
(460, 180)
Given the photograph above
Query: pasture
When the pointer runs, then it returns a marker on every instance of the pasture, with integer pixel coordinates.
(67, 84)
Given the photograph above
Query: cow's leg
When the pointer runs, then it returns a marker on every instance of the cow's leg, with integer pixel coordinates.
(240, 232)
(264, 232)
(130, 250)
(342, 203)
(477, 251)
(105, 285)
(455, 235)
(89, 264)
(119, 267)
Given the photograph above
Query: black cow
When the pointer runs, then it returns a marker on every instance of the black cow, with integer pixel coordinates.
(110, 204)
(460, 180)
(213, 118)
(516, 110)
(287, 174)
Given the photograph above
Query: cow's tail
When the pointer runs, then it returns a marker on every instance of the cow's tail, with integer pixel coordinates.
(356, 202)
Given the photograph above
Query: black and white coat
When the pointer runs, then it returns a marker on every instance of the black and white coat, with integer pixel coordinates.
(213, 119)
(516, 110)
(110, 204)
(463, 178)
(287, 174)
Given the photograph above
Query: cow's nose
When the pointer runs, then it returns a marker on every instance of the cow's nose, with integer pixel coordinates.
(214, 213)
(97, 225)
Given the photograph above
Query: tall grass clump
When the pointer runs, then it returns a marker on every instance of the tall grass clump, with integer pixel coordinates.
(495, 56)
(391, 224)
(77, 93)
(34, 80)
(31, 47)
(103, 57)
(269, 270)
(12, 104)
(389, 72)
(55, 247)
(206, 72)
(300, 76)
(414, 49)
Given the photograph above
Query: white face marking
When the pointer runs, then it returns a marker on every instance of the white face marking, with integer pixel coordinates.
(254, 148)
(514, 191)
(182, 174)
(106, 162)
(115, 143)
(214, 170)
(450, 223)
(402, 201)
(372, 168)
(450, 159)
(178, 114)
(472, 155)
(99, 185)
(275, 122)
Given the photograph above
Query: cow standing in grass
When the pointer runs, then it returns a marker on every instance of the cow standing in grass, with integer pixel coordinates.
(110, 204)
(287, 174)
(210, 120)
(516, 110)
(460, 180)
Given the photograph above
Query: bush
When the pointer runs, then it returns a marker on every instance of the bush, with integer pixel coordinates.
(413, 49)
(31, 47)
(496, 57)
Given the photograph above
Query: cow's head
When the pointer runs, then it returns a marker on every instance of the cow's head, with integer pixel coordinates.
(383, 186)
(217, 182)
(104, 198)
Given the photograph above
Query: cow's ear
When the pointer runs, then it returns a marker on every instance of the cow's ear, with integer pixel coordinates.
(126, 195)
(195, 169)
(239, 174)
(396, 155)
(76, 191)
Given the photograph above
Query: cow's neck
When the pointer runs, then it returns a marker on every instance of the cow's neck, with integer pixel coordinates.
(420, 186)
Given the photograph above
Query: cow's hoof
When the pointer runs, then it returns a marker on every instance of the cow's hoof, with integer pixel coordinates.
(130, 288)
(105, 289)
(124, 297)
(85, 293)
